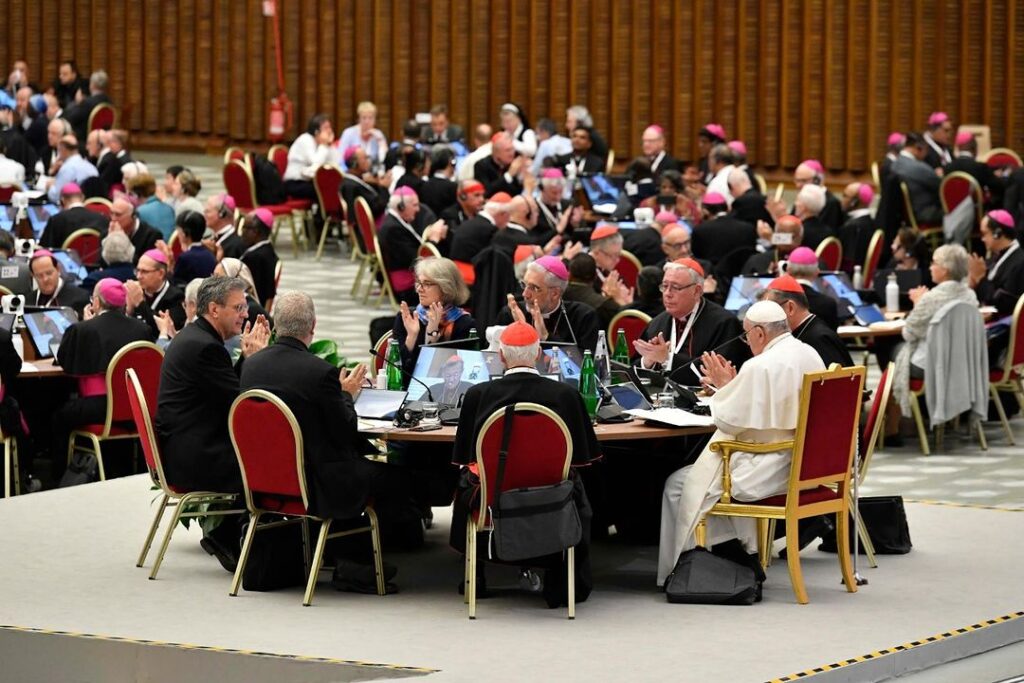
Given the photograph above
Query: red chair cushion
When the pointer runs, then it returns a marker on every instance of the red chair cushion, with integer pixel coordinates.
(300, 204)
(916, 385)
(278, 209)
(284, 506)
(115, 430)
(806, 497)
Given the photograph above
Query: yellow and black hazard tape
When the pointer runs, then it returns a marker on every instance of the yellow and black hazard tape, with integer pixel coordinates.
(227, 650)
(899, 648)
(951, 504)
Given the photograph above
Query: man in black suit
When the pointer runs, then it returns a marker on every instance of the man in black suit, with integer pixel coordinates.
(441, 131)
(340, 481)
(74, 216)
(469, 200)
(259, 254)
(113, 157)
(51, 289)
(358, 181)
(805, 325)
(719, 233)
(78, 112)
(438, 191)
(500, 172)
(965, 161)
(999, 281)
(690, 326)
(85, 352)
(49, 159)
(787, 236)
(748, 204)
(803, 265)
(859, 226)
(809, 204)
(474, 235)
(921, 179)
(68, 83)
(937, 138)
(652, 142)
(197, 386)
(143, 235)
(152, 293)
(219, 212)
(644, 242)
(581, 161)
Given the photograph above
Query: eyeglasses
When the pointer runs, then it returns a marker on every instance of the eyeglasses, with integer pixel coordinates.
(745, 337)
(535, 289)
(240, 308)
(145, 271)
(424, 284)
(666, 287)
(677, 245)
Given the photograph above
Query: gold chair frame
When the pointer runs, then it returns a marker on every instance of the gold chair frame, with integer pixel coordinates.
(975, 194)
(613, 324)
(876, 176)
(471, 526)
(1001, 150)
(367, 261)
(102, 106)
(331, 222)
(385, 287)
(85, 232)
(932, 234)
(1011, 378)
(298, 233)
(10, 463)
(255, 512)
(825, 243)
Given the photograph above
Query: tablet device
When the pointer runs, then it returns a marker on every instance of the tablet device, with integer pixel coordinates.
(564, 360)
(744, 292)
(838, 286)
(629, 397)
(449, 373)
(379, 404)
(70, 265)
(16, 277)
(46, 329)
(867, 314)
(602, 194)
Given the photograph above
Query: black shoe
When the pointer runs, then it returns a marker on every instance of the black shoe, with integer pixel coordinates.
(227, 559)
(362, 578)
(758, 592)
(811, 529)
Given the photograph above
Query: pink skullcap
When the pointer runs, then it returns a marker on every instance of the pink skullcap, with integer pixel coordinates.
(964, 138)
(738, 147)
(895, 138)
(71, 188)
(112, 291)
(228, 201)
(604, 230)
(655, 128)
(264, 216)
(552, 173)
(349, 152)
(814, 165)
(1000, 216)
(937, 118)
(156, 255)
(716, 130)
(553, 265)
(40, 253)
(804, 256)
(713, 199)
(665, 218)
(865, 194)
(519, 334)
(405, 191)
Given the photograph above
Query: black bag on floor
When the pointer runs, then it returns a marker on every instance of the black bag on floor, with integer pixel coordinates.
(535, 521)
(276, 559)
(885, 520)
(82, 469)
(702, 578)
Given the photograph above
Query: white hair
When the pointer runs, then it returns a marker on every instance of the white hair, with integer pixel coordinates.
(694, 275)
(520, 355)
(739, 181)
(581, 114)
(813, 198)
(132, 169)
(497, 207)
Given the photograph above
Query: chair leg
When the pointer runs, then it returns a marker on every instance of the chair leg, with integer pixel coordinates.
(378, 558)
(571, 582)
(99, 456)
(307, 556)
(700, 533)
(359, 277)
(981, 432)
(922, 434)
(771, 540)
(471, 550)
(1002, 413)
(318, 559)
(764, 542)
(182, 503)
(250, 533)
(371, 276)
(12, 444)
(796, 576)
(7, 471)
(323, 238)
(295, 233)
(843, 542)
(465, 569)
(152, 530)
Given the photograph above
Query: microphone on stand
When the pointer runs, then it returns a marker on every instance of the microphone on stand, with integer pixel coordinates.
(430, 397)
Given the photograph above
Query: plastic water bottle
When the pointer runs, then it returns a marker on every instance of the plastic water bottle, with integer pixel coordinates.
(892, 295)
(601, 357)
(588, 384)
(858, 278)
(394, 372)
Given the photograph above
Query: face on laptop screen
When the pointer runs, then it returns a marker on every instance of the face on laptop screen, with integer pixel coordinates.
(448, 372)
(744, 292)
(47, 328)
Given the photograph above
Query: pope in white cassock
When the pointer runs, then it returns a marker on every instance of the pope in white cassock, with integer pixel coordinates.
(760, 404)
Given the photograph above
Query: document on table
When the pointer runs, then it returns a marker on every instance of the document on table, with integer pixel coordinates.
(675, 417)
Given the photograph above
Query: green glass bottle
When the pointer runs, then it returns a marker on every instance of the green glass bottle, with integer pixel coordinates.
(394, 373)
(588, 384)
(621, 354)
(474, 338)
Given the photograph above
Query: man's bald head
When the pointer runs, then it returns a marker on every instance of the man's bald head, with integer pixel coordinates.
(121, 212)
(502, 149)
(675, 241)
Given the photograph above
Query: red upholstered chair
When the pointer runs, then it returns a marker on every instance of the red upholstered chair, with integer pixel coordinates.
(185, 503)
(175, 243)
(145, 358)
(870, 435)
(1000, 157)
(428, 250)
(380, 351)
(633, 322)
(10, 461)
(875, 248)
(86, 243)
(268, 443)
(388, 282)
(628, 268)
(327, 182)
(819, 479)
(6, 192)
(1008, 377)
(99, 205)
(102, 117)
(240, 184)
(932, 233)
(955, 188)
(366, 232)
(278, 155)
(830, 252)
(525, 466)
(468, 272)
(235, 154)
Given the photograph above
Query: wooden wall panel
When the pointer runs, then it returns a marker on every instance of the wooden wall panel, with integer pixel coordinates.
(793, 79)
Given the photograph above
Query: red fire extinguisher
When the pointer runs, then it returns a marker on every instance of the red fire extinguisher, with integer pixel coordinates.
(279, 117)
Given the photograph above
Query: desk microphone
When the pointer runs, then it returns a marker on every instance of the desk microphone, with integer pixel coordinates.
(430, 397)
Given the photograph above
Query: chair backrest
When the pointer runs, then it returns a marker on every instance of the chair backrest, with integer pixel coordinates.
(175, 243)
(239, 183)
(327, 182)
(268, 445)
(6, 192)
(99, 205)
(876, 177)
(428, 250)
(235, 154)
(873, 425)
(631, 321)
(145, 358)
(956, 187)
(380, 350)
(826, 432)
(907, 207)
(86, 243)
(1015, 351)
(830, 252)
(875, 248)
(762, 184)
(365, 223)
(998, 157)
(609, 163)
(278, 269)
(142, 413)
(102, 117)
(526, 464)
(628, 268)
(278, 154)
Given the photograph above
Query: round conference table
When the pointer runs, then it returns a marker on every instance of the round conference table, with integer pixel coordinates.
(628, 431)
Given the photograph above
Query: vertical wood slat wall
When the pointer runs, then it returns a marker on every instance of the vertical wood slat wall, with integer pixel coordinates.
(794, 78)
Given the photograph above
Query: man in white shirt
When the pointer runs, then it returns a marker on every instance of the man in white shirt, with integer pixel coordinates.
(720, 162)
(11, 172)
(310, 151)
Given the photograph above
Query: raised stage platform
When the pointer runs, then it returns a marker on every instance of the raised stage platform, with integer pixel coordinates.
(69, 566)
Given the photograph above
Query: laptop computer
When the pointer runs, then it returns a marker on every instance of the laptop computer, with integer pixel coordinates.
(46, 329)
(378, 404)
(433, 368)
(744, 292)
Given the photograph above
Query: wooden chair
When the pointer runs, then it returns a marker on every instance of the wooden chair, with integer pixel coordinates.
(628, 268)
(10, 460)
(1008, 377)
(931, 233)
(368, 255)
(380, 351)
(830, 252)
(145, 358)
(875, 248)
(240, 184)
(1000, 157)
(632, 322)
(819, 479)
(102, 117)
(955, 188)
(278, 155)
(86, 243)
(327, 182)
(268, 444)
(186, 504)
(99, 205)
(526, 466)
